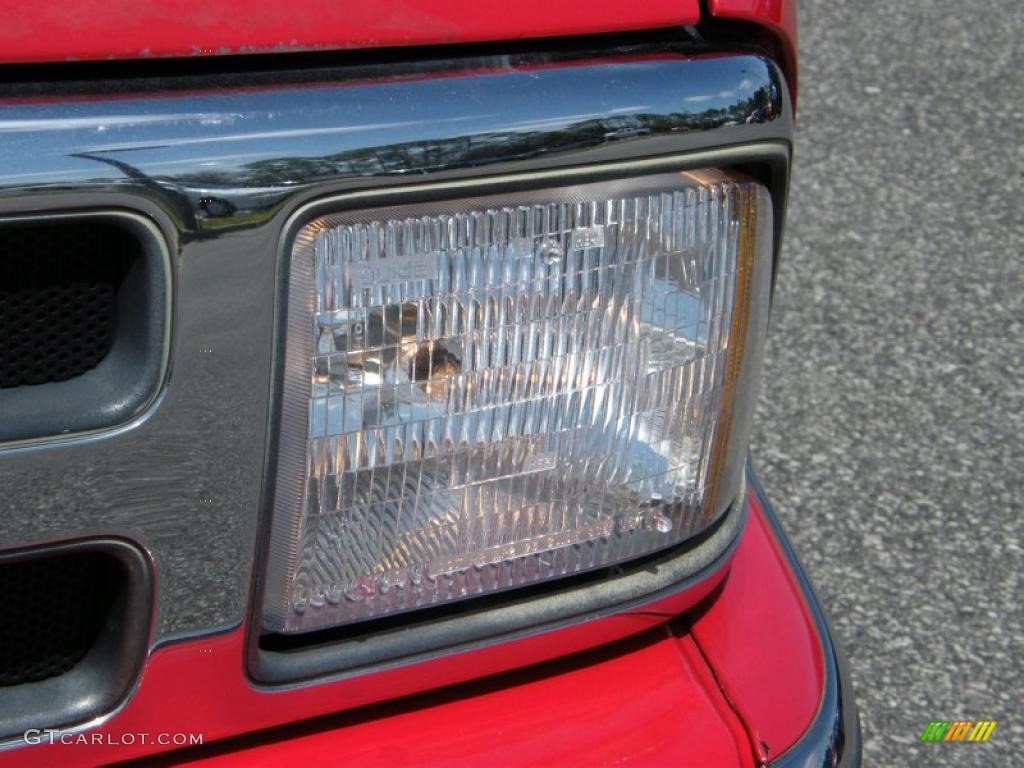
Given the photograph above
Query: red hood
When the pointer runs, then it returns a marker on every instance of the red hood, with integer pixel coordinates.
(63, 30)
(70, 30)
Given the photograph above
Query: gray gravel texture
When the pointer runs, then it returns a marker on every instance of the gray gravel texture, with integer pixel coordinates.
(890, 431)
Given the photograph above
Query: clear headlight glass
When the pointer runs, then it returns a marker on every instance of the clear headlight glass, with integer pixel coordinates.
(486, 393)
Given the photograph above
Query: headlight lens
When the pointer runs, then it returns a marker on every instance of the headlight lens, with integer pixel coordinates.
(487, 393)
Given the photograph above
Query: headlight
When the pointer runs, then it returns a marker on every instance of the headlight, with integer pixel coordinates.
(487, 393)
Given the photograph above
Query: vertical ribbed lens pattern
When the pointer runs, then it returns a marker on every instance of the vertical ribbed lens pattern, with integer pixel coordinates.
(503, 395)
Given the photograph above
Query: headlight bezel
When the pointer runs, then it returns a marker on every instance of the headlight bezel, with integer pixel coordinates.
(679, 570)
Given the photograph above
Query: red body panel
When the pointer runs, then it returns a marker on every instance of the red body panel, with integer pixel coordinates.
(99, 29)
(642, 704)
(759, 639)
(201, 686)
(653, 699)
(65, 30)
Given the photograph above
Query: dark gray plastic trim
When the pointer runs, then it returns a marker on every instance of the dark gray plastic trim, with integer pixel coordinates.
(285, 145)
(127, 380)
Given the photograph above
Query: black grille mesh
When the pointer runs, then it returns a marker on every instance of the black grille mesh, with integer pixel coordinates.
(58, 286)
(51, 610)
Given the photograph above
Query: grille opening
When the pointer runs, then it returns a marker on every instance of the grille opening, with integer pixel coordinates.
(74, 629)
(53, 609)
(59, 285)
(84, 321)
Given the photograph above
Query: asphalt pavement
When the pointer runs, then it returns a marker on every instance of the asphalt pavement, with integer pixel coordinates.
(890, 431)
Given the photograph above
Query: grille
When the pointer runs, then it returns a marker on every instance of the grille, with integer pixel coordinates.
(58, 289)
(51, 610)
